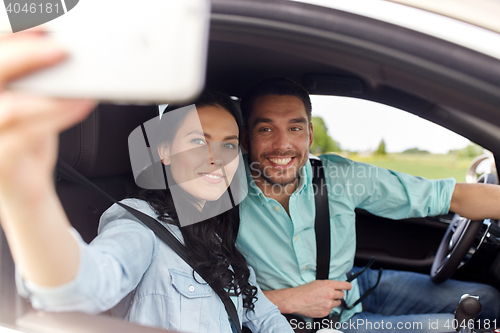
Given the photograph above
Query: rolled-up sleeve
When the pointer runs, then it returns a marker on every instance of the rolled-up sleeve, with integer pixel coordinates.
(388, 193)
(110, 267)
(397, 195)
(266, 317)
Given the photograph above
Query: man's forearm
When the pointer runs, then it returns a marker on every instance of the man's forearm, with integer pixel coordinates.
(283, 299)
(315, 299)
(476, 201)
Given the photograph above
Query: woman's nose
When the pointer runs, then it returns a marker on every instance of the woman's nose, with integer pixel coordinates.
(216, 161)
(215, 156)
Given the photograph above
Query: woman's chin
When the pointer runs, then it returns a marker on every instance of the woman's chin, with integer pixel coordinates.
(205, 193)
(208, 197)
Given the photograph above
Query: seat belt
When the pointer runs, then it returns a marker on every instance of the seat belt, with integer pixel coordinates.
(321, 226)
(66, 172)
(322, 221)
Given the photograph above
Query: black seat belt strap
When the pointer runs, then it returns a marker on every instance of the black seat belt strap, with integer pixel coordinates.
(66, 172)
(321, 224)
(322, 221)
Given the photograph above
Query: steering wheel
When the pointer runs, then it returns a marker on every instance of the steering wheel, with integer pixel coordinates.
(457, 246)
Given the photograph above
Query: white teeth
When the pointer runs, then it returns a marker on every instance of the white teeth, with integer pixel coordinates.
(212, 176)
(280, 161)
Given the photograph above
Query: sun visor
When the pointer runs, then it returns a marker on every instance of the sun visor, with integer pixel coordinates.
(205, 177)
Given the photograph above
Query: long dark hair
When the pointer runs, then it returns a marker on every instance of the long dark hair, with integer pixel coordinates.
(211, 244)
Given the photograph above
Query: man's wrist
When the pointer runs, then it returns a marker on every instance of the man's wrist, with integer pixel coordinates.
(282, 298)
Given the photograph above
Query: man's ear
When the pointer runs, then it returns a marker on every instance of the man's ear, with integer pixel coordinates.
(245, 142)
(311, 135)
(164, 152)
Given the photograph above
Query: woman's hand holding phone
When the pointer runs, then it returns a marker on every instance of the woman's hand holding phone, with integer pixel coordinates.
(29, 124)
(30, 212)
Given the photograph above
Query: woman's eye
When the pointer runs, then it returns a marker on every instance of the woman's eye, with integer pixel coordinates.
(229, 146)
(265, 129)
(199, 141)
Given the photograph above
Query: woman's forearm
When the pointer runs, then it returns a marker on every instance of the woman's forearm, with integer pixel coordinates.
(31, 215)
(40, 239)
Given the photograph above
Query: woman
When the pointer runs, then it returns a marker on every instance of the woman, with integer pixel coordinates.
(126, 261)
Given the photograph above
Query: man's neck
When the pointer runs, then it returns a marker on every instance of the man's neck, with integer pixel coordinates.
(280, 193)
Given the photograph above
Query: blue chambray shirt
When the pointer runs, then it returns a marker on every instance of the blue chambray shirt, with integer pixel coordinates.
(282, 248)
(129, 269)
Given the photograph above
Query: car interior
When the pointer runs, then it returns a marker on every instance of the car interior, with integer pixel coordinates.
(330, 52)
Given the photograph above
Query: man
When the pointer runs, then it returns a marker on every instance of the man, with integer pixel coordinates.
(277, 222)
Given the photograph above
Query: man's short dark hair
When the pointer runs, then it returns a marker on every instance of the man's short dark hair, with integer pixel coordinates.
(279, 86)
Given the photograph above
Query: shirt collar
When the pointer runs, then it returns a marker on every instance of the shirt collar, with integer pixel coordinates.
(305, 179)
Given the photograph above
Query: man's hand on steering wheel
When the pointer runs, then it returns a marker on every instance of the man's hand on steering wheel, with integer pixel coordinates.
(479, 202)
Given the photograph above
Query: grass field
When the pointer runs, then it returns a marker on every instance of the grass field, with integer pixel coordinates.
(430, 166)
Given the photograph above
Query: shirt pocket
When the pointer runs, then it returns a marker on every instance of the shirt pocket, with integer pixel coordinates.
(188, 287)
(195, 303)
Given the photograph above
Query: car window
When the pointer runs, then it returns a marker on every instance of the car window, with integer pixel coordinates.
(394, 139)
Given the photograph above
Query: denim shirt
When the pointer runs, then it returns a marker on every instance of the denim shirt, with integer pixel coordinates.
(128, 269)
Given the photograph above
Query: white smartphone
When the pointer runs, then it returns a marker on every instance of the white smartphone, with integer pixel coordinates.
(128, 51)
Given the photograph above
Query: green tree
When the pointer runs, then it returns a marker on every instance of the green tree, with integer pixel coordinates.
(322, 142)
(381, 148)
(415, 150)
(470, 151)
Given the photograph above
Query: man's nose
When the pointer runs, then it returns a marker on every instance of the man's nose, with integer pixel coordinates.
(281, 140)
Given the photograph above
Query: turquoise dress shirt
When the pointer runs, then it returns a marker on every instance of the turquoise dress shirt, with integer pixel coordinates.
(282, 248)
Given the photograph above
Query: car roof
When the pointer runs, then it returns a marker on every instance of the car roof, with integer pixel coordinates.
(336, 52)
(483, 13)
(443, 24)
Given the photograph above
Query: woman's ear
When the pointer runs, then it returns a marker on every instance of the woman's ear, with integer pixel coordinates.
(164, 152)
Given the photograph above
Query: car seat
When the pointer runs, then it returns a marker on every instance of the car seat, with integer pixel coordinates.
(97, 148)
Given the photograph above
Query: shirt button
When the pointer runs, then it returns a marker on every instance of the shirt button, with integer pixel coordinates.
(191, 289)
(296, 238)
(304, 267)
(276, 208)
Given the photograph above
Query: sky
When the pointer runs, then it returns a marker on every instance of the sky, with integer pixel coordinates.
(359, 125)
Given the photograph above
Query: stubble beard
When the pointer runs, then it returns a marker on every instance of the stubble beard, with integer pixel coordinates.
(283, 182)
(268, 178)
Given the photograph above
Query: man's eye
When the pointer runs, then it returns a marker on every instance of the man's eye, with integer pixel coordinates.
(266, 129)
(295, 129)
(199, 141)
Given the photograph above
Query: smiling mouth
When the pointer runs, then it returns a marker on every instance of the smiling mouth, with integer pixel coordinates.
(212, 178)
(281, 161)
(211, 175)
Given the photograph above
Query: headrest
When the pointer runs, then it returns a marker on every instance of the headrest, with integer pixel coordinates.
(98, 146)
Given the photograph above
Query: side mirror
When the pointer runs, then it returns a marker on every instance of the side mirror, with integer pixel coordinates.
(482, 164)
